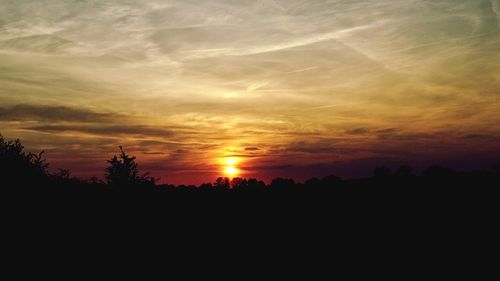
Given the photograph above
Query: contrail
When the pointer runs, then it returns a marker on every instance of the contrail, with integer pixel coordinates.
(301, 42)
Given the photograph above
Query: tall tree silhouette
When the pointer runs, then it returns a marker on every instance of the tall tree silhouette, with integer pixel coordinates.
(123, 172)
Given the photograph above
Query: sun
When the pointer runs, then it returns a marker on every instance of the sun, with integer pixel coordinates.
(231, 171)
(230, 166)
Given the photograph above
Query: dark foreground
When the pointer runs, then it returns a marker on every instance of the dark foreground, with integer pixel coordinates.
(440, 191)
(406, 222)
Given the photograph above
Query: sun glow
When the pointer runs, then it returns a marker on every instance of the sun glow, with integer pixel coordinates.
(231, 161)
(231, 171)
(230, 166)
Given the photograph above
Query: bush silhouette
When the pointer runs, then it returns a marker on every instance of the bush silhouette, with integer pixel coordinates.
(123, 172)
(18, 167)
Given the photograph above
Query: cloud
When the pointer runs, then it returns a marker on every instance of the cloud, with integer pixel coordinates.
(25, 112)
(358, 131)
(103, 130)
(37, 43)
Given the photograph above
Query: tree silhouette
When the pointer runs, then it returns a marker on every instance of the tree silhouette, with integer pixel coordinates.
(206, 187)
(382, 173)
(123, 172)
(63, 174)
(314, 183)
(404, 171)
(256, 185)
(281, 184)
(222, 184)
(240, 184)
(332, 181)
(19, 167)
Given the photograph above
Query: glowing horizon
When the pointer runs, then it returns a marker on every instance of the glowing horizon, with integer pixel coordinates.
(290, 88)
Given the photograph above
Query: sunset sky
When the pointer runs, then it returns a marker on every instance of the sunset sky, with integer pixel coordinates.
(261, 88)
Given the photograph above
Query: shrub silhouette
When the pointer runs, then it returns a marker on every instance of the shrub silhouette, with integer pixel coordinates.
(18, 167)
(123, 172)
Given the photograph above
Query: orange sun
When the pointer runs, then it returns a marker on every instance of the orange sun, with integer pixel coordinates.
(230, 166)
(231, 172)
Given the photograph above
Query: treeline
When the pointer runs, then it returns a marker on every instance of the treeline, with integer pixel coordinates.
(26, 171)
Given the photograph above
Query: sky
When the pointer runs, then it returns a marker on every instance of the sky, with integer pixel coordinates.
(266, 88)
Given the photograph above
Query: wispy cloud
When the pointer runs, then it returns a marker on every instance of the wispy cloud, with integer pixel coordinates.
(26, 112)
(103, 130)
